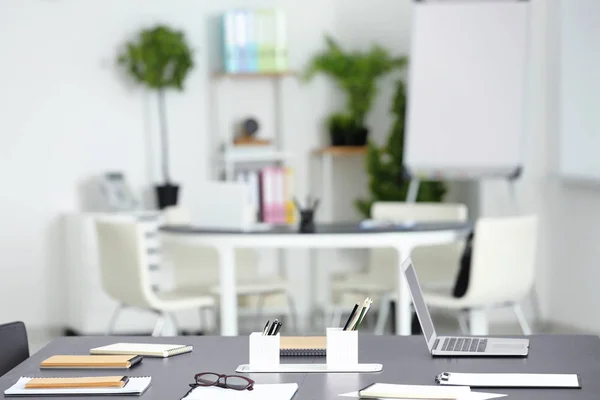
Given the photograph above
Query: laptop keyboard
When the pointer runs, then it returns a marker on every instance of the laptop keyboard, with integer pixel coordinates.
(471, 345)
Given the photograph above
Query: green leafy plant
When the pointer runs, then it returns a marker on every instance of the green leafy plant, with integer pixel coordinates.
(385, 168)
(356, 74)
(160, 59)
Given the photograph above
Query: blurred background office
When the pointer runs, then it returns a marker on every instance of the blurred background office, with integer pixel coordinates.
(253, 110)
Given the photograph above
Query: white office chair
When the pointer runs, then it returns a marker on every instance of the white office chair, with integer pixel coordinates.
(124, 273)
(502, 272)
(436, 265)
(196, 268)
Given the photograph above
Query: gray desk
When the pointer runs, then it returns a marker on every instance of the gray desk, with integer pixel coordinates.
(405, 360)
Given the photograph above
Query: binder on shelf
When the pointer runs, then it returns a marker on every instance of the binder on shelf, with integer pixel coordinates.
(267, 195)
(279, 192)
(290, 209)
(228, 43)
(241, 40)
(280, 50)
(253, 183)
(252, 41)
(266, 41)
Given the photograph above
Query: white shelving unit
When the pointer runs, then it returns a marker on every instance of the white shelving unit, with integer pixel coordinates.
(230, 157)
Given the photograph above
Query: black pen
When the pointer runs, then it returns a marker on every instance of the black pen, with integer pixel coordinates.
(277, 328)
(351, 316)
(273, 325)
(266, 328)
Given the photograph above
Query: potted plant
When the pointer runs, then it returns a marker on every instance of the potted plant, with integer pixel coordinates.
(385, 167)
(356, 74)
(160, 59)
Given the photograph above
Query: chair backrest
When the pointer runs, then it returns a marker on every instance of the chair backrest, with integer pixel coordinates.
(382, 262)
(123, 262)
(14, 347)
(197, 265)
(177, 216)
(503, 259)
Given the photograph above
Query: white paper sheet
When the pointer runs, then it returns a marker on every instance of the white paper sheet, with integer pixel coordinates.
(423, 391)
(280, 391)
(136, 386)
(510, 380)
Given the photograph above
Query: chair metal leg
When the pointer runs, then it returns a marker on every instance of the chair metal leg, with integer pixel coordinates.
(113, 319)
(478, 325)
(384, 313)
(463, 323)
(260, 308)
(175, 323)
(292, 311)
(537, 308)
(336, 315)
(160, 324)
(204, 320)
(521, 318)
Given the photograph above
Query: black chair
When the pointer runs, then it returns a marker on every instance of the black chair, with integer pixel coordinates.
(14, 347)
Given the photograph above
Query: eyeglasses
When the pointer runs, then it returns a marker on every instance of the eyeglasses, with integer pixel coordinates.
(234, 382)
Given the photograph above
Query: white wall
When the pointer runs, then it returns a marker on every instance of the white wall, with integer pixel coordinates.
(573, 213)
(66, 115)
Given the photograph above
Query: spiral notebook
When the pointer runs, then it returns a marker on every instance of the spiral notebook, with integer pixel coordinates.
(143, 349)
(514, 380)
(135, 386)
(299, 346)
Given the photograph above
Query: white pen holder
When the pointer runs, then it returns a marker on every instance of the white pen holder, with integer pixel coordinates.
(264, 350)
(342, 347)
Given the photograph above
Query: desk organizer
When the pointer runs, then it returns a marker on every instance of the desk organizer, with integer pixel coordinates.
(342, 347)
(342, 355)
(264, 350)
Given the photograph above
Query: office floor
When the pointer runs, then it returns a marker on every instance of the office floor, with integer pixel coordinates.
(39, 338)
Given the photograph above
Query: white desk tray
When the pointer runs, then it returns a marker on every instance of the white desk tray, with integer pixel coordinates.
(311, 368)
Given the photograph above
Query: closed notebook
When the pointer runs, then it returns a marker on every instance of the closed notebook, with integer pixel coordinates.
(311, 346)
(79, 382)
(87, 362)
(135, 387)
(143, 349)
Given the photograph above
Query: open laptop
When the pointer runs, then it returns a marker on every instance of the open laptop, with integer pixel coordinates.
(457, 346)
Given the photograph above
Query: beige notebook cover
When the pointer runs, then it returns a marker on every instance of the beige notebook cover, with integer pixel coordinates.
(143, 349)
(303, 346)
(84, 361)
(82, 382)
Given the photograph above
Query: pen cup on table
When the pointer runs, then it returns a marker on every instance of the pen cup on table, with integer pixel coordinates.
(264, 350)
(342, 347)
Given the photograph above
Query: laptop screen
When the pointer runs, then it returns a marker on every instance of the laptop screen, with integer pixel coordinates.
(419, 302)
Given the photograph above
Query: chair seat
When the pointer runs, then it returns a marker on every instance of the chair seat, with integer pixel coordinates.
(438, 299)
(255, 287)
(182, 299)
(362, 283)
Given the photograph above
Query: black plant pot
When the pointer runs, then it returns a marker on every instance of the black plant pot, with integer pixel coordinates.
(167, 195)
(338, 138)
(358, 137)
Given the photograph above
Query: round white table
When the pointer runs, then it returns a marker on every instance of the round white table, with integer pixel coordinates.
(327, 236)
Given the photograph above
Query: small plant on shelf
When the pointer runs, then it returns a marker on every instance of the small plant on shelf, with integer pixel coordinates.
(385, 168)
(160, 59)
(356, 74)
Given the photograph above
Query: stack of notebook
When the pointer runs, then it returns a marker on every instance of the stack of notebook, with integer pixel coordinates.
(97, 385)
(143, 349)
(308, 346)
(91, 362)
